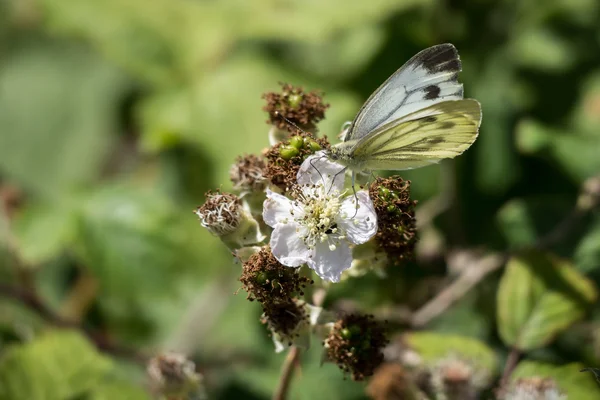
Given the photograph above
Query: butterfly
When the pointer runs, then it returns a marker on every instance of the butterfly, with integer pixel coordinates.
(417, 117)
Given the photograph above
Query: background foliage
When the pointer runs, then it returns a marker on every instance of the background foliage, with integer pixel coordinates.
(117, 115)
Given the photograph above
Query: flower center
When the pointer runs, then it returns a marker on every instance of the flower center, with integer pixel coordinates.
(320, 211)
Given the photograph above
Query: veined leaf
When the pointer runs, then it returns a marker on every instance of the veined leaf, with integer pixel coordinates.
(539, 296)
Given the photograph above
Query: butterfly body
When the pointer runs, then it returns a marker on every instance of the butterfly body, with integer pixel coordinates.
(416, 118)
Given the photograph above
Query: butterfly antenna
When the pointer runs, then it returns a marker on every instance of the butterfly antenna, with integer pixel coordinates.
(290, 122)
(318, 172)
(355, 195)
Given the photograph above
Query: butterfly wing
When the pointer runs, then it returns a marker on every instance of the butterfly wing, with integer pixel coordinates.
(443, 130)
(430, 77)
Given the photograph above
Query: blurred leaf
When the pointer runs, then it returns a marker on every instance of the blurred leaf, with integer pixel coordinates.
(341, 56)
(538, 297)
(142, 249)
(222, 112)
(56, 366)
(577, 154)
(586, 118)
(433, 347)
(575, 384)
(43, 231)
(153, 40)
(497, 167)
(517, 223)
(587, 253)
(542, 49)
(523, 221)
(57, 115)
(119, 390)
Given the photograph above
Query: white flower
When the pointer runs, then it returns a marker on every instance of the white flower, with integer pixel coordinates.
(318, 227)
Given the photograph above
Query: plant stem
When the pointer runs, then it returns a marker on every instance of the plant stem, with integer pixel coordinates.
(289, 366)
(509, 367)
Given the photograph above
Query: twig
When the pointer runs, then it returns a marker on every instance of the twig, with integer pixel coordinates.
(477, 270)
(509, 367)
(473, 274)
(289, 366)
(32, 301)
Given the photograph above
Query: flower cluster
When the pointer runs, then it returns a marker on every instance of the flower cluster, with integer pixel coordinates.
(296, 225)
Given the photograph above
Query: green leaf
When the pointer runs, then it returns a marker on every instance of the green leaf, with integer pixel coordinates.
(523, 221)
(43, 231)
(340, 57)
(57, 115)
(576, 152)
(119, 390)
(220, 113)
(142, 250)
(56, 366)
(587, 253)
(433, 347)
(575, 384)
(497, 166)
(542, 49)
(538, 297)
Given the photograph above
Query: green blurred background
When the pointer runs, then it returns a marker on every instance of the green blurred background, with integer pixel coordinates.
(117, 115)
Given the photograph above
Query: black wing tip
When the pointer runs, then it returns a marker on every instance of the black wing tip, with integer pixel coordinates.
(439, 58)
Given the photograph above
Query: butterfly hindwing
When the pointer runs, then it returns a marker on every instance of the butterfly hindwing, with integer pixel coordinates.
(430, 77)
(443, 130)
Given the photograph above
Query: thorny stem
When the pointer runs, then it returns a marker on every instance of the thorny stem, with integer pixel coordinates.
(31, 300)
(289, 366)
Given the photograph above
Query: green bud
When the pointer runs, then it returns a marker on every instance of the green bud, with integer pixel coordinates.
(355, 330)
(391, 208)
(288, 152)
(297, 142)
(262, 278)
(345, 333)
(312, 145)
(384, 191)
(295, 100)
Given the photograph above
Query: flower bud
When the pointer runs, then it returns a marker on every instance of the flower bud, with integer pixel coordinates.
(288, 152)
(297, 142)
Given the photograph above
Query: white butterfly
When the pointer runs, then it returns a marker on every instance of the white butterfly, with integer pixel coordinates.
(416, 118)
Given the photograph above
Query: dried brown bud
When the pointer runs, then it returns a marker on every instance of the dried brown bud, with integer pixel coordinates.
(533, 388)
(286, 320)
(392, 382)
(397, 231)
(268, 281)
(301, 108)
(172, 374)
(248, 174)
(356, 345)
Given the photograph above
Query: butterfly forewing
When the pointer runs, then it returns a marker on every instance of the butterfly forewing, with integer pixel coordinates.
(428, 78)
(443, 130)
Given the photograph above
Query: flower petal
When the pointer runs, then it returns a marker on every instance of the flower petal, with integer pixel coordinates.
(276, 209)
(360, 224)
(329, 264)
(319, 170)
(287, 247)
